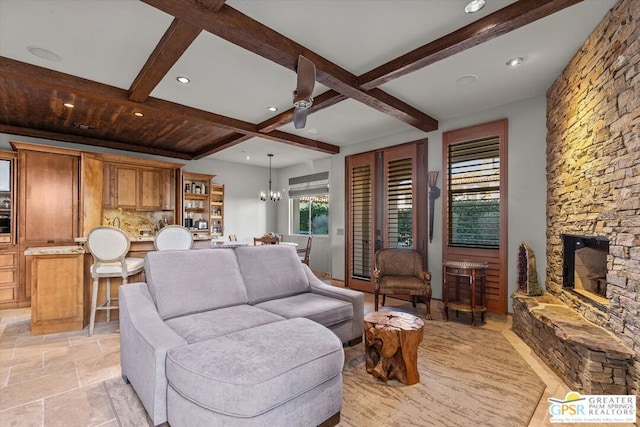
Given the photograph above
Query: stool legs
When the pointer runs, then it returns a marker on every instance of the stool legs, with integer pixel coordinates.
(94, 301)
(105, 305)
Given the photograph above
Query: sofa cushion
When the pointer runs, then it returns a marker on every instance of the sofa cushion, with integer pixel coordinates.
(192, 281)
(214, 323)
(324, 310)
(249, 372)
(271, 271)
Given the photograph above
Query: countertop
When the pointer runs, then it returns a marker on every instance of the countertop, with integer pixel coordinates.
(55, 250)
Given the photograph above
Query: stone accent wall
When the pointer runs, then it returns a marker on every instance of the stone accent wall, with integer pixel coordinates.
(593, 169)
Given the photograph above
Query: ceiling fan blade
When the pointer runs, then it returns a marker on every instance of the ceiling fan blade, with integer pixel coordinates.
(299, 117)
(306, 78)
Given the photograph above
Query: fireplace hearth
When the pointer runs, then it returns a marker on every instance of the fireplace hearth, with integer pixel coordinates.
(584, 268)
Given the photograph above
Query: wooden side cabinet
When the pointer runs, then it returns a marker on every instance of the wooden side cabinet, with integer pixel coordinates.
(8, 276)
(57, 295)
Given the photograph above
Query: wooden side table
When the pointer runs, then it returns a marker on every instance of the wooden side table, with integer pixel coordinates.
(471, 274)
(391, 346)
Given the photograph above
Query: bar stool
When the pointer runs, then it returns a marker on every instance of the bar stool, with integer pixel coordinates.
(109, 247)
(173, 237)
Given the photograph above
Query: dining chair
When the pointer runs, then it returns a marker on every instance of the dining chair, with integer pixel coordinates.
(266, 240)
(303, 253)
(173, 237)
(109, 247)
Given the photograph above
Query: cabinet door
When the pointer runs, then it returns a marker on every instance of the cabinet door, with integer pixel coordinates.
(49, 196)
(150, 189)
(126, 185)
(57, 293)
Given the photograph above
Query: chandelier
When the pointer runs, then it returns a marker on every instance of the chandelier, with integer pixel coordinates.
(273, 195)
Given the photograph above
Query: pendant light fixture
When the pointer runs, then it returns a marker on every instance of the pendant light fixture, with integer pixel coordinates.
(273, 195)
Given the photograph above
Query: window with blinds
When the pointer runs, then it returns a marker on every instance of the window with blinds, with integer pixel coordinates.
(361, 218)
(309, 197)
(400, 203)
(474, 193)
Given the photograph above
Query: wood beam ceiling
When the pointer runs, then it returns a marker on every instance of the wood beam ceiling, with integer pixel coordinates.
(241, 30)
(193, 16)
(20, 71)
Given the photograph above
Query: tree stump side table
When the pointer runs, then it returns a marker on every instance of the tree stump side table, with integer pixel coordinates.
(391, 346)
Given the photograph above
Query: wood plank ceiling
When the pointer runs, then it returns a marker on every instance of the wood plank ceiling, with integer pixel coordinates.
(103, 115)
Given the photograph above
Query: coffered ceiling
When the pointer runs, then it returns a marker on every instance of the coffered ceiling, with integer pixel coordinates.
(383, 67)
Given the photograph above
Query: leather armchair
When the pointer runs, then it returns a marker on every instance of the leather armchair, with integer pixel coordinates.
(399, 271)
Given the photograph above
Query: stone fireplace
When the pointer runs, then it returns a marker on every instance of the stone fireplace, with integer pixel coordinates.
(593, 192)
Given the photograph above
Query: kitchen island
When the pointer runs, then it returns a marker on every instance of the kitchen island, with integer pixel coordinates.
(59, 298)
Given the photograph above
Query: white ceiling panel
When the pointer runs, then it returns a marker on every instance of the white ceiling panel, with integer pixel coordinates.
(107, 41)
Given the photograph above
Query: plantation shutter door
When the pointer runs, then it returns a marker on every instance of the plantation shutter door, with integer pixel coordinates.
(360, 247)
(400, 196)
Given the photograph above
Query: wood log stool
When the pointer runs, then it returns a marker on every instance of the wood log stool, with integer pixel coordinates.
(391, 346)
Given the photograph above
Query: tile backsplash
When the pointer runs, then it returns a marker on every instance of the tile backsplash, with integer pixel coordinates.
(135, 222)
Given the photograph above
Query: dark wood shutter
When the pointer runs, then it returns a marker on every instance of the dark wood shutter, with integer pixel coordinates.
(472, 147)
(360, 202)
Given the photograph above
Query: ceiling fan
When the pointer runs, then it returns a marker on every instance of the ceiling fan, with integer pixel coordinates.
(302, 99)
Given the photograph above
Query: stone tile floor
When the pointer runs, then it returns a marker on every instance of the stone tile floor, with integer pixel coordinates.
(58, 379)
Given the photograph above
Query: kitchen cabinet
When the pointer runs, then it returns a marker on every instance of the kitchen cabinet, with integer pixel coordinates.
(134, 187)
(8, 276)
(8, 248)
(217, 209)
(195, 201)
(48, 202)
(55, 275)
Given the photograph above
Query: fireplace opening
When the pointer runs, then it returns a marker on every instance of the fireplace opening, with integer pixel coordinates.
(584, 270)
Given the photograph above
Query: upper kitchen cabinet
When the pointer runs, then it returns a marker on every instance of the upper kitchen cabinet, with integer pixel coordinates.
(48, 194)
(139, 184)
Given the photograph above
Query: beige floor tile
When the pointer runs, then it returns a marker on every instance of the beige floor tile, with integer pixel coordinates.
(26, 372)
(92, 370)
(83, 407)
(36, 389)
(72, 353)
(29, 415)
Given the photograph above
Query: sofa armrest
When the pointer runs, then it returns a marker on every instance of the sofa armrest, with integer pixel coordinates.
(356, 298)
(144, 342)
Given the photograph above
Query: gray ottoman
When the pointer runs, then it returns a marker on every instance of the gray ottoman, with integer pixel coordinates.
(286, 373)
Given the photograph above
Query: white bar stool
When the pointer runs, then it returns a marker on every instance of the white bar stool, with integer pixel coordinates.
(173, 237)
(109, 246)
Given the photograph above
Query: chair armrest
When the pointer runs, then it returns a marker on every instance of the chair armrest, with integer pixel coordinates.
(356, 298)
(144, 342)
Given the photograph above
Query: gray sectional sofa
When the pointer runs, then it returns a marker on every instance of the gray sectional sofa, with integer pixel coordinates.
(246, 336)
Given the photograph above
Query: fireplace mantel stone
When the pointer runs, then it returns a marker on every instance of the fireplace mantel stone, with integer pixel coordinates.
(590, 359)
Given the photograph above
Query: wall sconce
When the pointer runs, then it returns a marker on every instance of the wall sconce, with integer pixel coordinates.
(434, 193)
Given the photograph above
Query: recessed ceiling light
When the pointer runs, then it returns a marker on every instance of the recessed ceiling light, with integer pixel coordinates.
(515, 61)
(474, 5)
(138, 114)
(43, 53)
(68, 105)
(467, 79)
(182, 79)
(313, 131)
(272, 109)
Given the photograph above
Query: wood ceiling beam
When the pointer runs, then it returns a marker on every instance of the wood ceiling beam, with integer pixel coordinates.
(172, 45)
(78, 139)
(250, 34)
(99, 92)
(507, 19)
